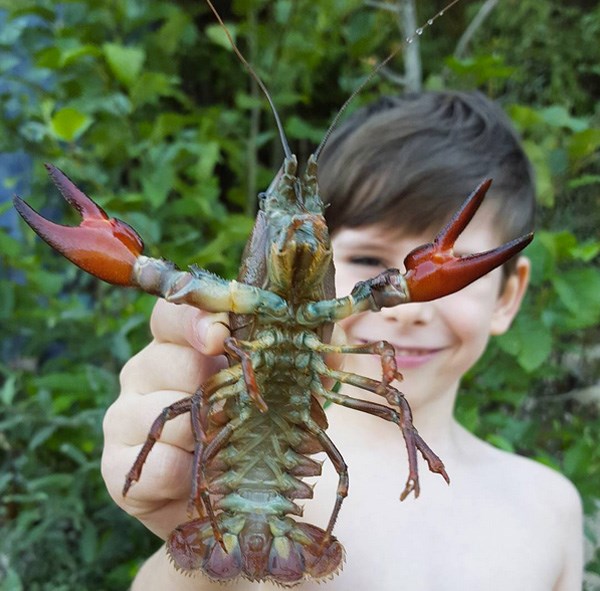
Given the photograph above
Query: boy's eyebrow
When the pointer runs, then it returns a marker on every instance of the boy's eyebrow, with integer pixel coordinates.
(381, 238)
(362, 237)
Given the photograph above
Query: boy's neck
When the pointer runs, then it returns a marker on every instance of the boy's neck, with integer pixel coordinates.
(433, 418)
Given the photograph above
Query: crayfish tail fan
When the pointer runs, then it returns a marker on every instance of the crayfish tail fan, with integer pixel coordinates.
(259, 548)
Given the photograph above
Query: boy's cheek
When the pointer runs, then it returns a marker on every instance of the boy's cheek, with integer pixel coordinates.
(345, 328)
(484, 292)
(345, 280)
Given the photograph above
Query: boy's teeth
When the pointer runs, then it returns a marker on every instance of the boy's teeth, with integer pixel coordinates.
(400, 351)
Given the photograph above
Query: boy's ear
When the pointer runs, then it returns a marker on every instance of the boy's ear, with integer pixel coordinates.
(510, 299)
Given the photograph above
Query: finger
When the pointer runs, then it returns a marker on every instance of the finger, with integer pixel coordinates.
(128, 420)
(167, 366)
(336, 360)
(166, 474)
(185, 325)
(161, 495)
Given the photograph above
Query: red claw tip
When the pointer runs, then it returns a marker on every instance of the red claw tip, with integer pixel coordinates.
(105, 247)
(433, 271)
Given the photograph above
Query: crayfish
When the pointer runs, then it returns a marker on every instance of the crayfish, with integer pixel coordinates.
(257, 422)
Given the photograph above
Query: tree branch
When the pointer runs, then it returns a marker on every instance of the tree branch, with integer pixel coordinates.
(465, 39)
(406, 16)
(392, 76)
(407, 22)
(382, 6)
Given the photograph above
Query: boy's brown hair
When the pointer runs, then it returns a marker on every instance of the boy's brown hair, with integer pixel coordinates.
(409, 162)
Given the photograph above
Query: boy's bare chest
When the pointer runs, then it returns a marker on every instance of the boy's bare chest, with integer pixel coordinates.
(465, 537)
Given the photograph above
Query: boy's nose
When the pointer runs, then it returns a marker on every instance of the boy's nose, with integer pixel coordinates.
(413, 313)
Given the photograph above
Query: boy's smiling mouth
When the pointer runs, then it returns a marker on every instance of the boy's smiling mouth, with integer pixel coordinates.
(410, 357)
(414, 352)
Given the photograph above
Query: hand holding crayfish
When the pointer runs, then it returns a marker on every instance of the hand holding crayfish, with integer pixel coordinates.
(184, 351)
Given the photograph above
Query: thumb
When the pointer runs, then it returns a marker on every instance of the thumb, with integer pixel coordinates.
(211, 330)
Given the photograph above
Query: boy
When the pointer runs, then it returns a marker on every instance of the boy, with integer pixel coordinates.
(393, 174)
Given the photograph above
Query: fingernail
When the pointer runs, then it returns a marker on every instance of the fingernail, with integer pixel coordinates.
(201, 333)
(210, 335)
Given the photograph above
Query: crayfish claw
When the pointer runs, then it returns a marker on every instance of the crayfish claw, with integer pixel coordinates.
(460, 220)
(105, 247)
(433, 271)
(77, 198)
(434, 463)
(412, 486)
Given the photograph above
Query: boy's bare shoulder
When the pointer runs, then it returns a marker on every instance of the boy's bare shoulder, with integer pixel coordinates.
(522, 480)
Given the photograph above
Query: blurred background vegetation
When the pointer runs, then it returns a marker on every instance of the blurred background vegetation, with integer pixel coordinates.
(143, 104)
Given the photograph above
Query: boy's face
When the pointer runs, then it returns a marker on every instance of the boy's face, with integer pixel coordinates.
(436, 342)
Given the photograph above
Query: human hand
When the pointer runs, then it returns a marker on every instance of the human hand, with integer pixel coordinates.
(186, 350)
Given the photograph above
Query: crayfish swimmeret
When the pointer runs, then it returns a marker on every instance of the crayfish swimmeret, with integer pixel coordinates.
(257, 422)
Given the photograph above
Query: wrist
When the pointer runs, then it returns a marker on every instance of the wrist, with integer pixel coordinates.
(158, 573)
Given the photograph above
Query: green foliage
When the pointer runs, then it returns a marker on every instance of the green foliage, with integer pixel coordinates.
(537, 390)
(145, 105)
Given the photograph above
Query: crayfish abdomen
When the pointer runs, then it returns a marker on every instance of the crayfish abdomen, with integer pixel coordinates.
(250, 472)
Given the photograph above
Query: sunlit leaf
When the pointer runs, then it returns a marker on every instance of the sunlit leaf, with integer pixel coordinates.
(68, 124)
(584, 143)
(218, 36)
(125, 62)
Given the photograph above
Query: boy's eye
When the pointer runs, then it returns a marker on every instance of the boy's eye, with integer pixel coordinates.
(367, 261)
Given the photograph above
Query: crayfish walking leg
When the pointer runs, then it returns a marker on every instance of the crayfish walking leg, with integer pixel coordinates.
(170, 412)
(340, 467)
(402, 417)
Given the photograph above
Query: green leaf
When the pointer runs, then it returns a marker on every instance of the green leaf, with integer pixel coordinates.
(558, 116)
(89, 542)
(71, 55)
(300, 129)
(68, 124)
(41, 436)
(529, 341)
(543, 175)
(74, 453)
(9, 246)
(245, 101)
(524, 117)
(158, 182)
(577, 458)
(8, 390)
(560, 244)
(151, 86)
(500, 442)
(579, 291)
(11, 581)
(125, 62)
(177, 29)
(52, 481)
(584, 143)
(480, 69)
(218, 36)
(210, 153)
(61, 381)
(585, 252)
